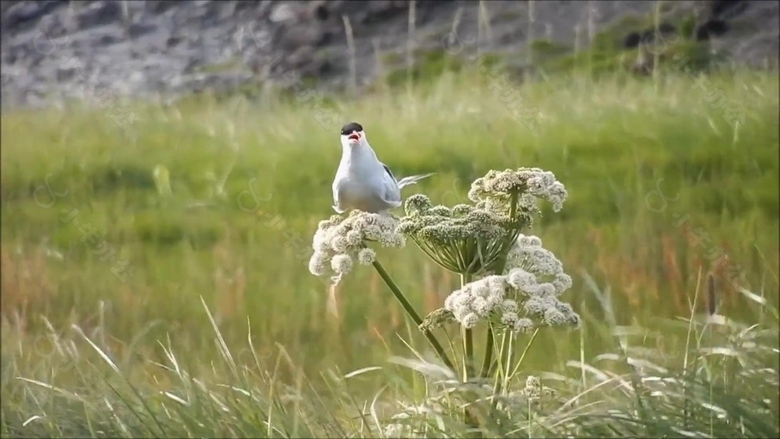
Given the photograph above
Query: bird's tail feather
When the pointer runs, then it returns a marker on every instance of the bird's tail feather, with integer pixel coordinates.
(406, 181)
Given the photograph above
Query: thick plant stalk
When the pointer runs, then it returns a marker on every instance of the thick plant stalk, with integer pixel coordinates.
(485, 371)
(488, 359)
(412, 313)
(468, 341)
(468, 365)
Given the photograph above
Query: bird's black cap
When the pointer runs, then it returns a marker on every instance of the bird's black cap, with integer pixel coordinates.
(350, 128)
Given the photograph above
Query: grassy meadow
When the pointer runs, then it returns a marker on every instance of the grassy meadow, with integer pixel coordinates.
(222, 330)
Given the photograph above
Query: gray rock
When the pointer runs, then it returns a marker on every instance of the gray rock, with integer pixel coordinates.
(308, 63)
(284, 13)
(18, 14)
(292, 37)
(138, 29)
(99, 13)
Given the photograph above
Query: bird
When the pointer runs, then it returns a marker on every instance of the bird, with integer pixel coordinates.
(362, 182)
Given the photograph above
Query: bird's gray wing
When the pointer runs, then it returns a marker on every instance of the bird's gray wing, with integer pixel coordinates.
(392, 193)
(389, 172)
(336, 187)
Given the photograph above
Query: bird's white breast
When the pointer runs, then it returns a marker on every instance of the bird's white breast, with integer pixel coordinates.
(360, 181)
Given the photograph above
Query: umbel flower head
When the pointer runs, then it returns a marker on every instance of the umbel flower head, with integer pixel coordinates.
(475, 239)
(525, 297)
(497, 189)
(339, 241)
(463, 239)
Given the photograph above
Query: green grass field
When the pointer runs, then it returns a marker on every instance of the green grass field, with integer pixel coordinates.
(86, 354)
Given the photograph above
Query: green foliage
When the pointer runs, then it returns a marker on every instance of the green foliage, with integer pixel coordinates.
(546, 49)
(612, 141)
(228, 65)
(431, 65)
(717, 378)
(687, 26)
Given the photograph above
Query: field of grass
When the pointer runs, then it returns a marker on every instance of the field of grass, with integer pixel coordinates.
(222, 331)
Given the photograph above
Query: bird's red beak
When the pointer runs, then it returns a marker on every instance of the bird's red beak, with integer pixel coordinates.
(354, 137)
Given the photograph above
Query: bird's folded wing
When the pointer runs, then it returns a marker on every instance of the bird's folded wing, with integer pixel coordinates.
(389, 172)
(392, 193)
(336, 187)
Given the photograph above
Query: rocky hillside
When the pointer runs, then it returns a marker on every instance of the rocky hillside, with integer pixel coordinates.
(53, 50)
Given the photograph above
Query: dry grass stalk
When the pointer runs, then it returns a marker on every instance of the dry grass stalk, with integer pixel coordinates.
(352, 55)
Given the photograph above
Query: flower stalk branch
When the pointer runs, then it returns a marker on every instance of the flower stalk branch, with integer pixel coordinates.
(412, 313)
(468, 340)
(489, 337)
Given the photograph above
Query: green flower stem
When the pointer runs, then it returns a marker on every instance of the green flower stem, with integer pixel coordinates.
(412, 313)
(506, 341)
(468, 341)
(468, 349)
(522, 356)
(488, 353)
(510, 353)
(468, 366)
(513, 206)
(488, 359)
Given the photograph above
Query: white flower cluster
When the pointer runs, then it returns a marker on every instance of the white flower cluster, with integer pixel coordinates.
(528, 254)
(433, 409)
(339, 241)
(528, 183)
(515, 298)
(479, 299)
